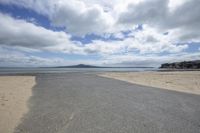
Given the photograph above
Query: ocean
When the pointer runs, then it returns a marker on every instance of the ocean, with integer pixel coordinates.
(65, 70)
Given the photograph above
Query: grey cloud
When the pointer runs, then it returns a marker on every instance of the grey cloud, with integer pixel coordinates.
(151, 39)
(144, 12)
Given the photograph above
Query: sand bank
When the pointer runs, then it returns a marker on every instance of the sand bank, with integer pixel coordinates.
(14, 94)
(183, 81)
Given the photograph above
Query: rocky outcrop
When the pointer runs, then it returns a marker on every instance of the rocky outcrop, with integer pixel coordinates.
(182, 65)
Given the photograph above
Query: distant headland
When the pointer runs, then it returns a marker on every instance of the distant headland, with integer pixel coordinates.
(182, 65)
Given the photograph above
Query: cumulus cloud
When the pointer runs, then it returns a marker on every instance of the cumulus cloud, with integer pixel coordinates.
(144, 41)
(167, 27)
(79, 19)
(76, 16)
(180, 18)
(19, 33)
(14, 33)
(29, 37)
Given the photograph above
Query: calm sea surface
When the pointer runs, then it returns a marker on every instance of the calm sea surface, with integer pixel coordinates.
(65, 70)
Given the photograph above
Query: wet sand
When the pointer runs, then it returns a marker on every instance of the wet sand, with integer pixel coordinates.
(87, 103)
(14, 94)
(182, 81)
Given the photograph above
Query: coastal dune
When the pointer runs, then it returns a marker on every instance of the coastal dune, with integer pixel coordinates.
(182, 81)
(14, 94)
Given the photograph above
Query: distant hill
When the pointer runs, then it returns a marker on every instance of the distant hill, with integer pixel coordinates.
(182, 65)
(90, 66)
(78, 66)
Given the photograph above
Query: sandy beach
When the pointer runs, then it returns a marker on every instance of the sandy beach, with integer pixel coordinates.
(87, 103)
(182, 81)
(66, 100)
(14, 94)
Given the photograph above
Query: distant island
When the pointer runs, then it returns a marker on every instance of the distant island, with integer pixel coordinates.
(182, 65)
(78, 66)
(91, 66)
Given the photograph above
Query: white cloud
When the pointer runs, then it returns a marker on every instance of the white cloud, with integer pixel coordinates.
(82, 20)
(173, 4)
(178, 18)
(76, 16)
(14, 33)
(81, 17)
(144, 41)
(182, 21)
(148, 60)
(119, 35)
(22, 34)
(19, 59)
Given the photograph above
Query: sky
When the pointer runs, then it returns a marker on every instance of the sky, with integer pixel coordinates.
(98, 32)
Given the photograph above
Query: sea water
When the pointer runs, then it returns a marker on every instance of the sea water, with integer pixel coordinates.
(65, 70)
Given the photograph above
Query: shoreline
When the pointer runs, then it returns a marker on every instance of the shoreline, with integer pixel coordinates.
(21, 87)
(181, 81)
(15, 92)
(16, 89)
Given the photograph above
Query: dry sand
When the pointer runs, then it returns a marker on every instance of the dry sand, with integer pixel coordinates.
(183, 81)
(14, 94)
